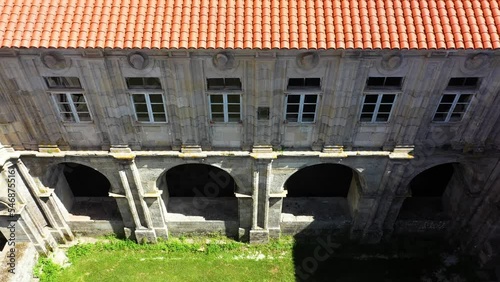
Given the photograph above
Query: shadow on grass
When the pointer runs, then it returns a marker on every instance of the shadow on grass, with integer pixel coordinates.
(326, 256)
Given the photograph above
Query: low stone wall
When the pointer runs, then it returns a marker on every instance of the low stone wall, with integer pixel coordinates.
(229, 228)
(97, 227)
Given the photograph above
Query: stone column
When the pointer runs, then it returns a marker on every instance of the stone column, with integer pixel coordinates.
(261, 180)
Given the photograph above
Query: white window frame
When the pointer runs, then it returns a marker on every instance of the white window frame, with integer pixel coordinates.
(73, 111)
(377, 106)
(225, 105)
(146, 94)
(457, 94)
(302, 94)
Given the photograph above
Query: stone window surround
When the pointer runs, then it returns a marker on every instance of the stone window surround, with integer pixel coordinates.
(376, 111)
(458, 91)
(150, 112)
(311, 86)
(224, 91)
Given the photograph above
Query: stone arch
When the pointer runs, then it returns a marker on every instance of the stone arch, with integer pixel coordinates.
(199, 193)
(82, 192)
(324, 202)
(429, 190)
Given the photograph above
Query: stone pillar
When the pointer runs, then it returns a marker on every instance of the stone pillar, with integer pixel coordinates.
(263, 156)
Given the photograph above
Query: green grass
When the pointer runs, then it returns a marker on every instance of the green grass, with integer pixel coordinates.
(217, 258)
(178, 259)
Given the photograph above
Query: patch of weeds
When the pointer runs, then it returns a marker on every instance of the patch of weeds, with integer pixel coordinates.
(47, 270)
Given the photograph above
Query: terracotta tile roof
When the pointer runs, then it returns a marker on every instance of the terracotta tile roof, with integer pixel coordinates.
(257, 24)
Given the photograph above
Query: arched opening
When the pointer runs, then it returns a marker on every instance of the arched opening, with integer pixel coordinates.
(323, 192)
(83, 192)
(199, 193)
(426, 201)
(3, 241)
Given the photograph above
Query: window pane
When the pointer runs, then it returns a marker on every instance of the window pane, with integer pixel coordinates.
(77, 98)
(388, 98)
(159, 118)
(71, 82)
(233, 108)
(215, 83)
(310, 98)
(134, 82)
(443, 108)
(459, 108)
(63, 82)
(217, 108)
(292, 108)
(375, 81)
(233, 83)
(439, 117)
(456, 81)
(393, 81)
(139, 98)
(67, 117)
(308, 118)
(371, 98)
(464, 98)
(158, 108)
(81, 107)
(448, 98)
(152, 83)
(61, 98)
(292, 117)
(382, 117)
(155, 98)
(366, 117)
(455, 117)
(64, 107)
(293, 99)
(234, 117)
(84, 116)
(142, 117)
(216, 99)
(471, 81)
(368, 108)
(141, 108)
(295, 83)
(218, 117)
(233, 98)
(309, 109)
(313, 82)
(384, 108)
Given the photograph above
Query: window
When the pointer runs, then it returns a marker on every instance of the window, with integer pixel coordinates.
(302, 99)
(68, 98)
(377, 107)
(147, 98)
(225, 99)
(385, 82)
(301, 107)
(456, 99)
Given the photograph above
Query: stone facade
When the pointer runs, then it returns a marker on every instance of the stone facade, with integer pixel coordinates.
(261, 151)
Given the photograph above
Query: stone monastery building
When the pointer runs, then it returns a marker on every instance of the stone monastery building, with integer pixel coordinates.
(366, 119)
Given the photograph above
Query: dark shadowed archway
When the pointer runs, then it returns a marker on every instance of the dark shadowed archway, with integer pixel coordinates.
(198, 193)
(83, 192)
(426, 194)
(320, 193)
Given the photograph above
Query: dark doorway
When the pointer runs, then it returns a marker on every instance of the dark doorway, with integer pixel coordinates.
(199, 192)
(83, 191)
(427, 189)
(319, 193)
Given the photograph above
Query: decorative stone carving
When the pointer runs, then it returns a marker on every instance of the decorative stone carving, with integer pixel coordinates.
(223, 61)
(138, 61)
(391, 62)
(476, 61)
(54, 61)
(307, 60)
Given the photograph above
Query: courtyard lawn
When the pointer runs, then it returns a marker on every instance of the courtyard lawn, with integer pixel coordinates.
(201, 259)
(221, 259)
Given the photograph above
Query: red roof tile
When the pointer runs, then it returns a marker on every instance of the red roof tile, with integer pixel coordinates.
(251, 24)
